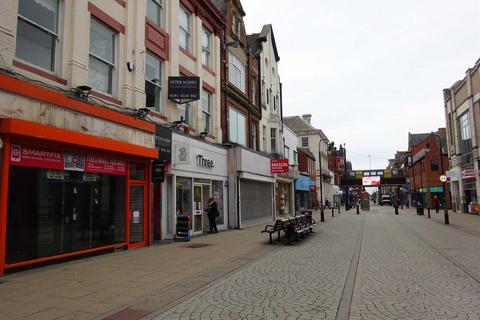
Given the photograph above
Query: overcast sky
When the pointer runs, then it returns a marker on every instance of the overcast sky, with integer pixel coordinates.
(370, 71)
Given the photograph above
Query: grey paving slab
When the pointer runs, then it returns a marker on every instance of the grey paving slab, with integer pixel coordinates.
(403, 275)
(303, 281)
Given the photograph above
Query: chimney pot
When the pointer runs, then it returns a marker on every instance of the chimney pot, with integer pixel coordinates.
(308, 118)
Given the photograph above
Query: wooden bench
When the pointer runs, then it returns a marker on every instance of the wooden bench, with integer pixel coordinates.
(294, 226)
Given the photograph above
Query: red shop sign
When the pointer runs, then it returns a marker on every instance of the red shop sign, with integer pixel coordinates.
(58, 159)
(279, 165)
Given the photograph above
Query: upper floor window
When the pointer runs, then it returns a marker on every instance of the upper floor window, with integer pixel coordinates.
(254, 136)
(237, 127)
(434, 165)
(236, 26)
(286, 152)
(206, 48)
(102, 57)
(254, 92)
(185, 112)
(153, 82)
(273, 140)
(155, 11)
(206, 111)
(262, 89)
(185, 28)
(236, 72)
(37, 32)
(305, 142)
(295, 157)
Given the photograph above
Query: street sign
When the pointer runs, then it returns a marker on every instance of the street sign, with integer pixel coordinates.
(443, 178)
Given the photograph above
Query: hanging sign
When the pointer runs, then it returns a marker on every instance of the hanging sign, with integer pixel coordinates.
(183, 89)
(279, 165)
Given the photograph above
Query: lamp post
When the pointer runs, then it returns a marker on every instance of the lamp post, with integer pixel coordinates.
(322, 213)
(427, 148)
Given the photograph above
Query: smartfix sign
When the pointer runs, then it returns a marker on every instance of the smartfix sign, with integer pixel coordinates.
(183, 89)
(279, 165)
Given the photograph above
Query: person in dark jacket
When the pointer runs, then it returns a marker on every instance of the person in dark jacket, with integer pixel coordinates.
(212, 215)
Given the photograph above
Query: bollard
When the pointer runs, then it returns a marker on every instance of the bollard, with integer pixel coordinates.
(322, 215)
(428, 213)
(333, 213)
(338, 209)
(447, 220)
(358, 209)
(396, 210)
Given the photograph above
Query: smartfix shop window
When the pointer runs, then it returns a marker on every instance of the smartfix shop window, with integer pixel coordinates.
(63, 201)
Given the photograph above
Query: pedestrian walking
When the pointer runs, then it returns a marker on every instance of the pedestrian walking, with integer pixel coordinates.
(212, 215)
(436, 203)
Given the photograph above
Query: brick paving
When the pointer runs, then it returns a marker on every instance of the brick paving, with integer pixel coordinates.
(369, 266)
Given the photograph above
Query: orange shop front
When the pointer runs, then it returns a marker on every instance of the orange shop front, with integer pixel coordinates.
(66, 193)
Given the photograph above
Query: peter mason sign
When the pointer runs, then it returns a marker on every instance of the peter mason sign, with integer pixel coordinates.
(183, 88)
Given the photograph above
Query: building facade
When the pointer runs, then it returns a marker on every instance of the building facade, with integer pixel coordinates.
(73, 131)
(423, 169)
(264, 48)
(305, 185)
(462, 113)
(315, 140)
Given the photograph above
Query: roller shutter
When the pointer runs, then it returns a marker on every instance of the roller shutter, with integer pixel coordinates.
(256, 201)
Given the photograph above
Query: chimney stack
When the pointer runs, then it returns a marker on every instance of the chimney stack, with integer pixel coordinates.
(308, 118)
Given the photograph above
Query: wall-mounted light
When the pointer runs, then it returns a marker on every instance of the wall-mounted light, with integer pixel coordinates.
(130, 66)
(143, 112)
(83, 91)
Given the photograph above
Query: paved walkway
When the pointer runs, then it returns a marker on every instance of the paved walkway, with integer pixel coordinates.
(129, 284)
(369, 266)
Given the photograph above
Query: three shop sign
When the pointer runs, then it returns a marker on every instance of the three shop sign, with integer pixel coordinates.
(279, 165)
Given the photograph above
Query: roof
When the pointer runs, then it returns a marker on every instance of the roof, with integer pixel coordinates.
(255, 41)
(416, 138)
(299, 124)
(307, 152)
(221, 5)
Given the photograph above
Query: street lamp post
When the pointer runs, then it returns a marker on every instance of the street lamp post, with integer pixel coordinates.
(445, 210)
(322, 213)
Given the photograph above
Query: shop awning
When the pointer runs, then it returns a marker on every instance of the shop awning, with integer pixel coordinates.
(33, 130)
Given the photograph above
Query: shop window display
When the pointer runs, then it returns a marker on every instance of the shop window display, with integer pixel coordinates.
(54, 212)
(184, 197)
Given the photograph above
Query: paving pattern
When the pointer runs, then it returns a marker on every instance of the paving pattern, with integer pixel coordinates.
(408, 268)
(303, 281)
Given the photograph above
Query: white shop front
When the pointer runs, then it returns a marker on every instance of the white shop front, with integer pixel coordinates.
(198, 172)
(252, 188)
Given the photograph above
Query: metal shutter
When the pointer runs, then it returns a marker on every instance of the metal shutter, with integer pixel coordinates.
(256, 201)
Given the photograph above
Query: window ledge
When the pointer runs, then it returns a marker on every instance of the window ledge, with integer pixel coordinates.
(38, 71)
(106, 97)
(187, 53)
(206, 68)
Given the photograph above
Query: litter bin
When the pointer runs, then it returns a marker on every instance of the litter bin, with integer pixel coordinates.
(420, 210)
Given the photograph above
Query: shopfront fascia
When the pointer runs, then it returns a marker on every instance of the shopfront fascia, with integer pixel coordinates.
(198, 172)
(251, 186)
(65, 193)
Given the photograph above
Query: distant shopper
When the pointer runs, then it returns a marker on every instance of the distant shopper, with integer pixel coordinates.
(327, 203)
(212, 215)
(436, 203)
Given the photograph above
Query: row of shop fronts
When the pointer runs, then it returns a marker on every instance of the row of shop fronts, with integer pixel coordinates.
(66, 193)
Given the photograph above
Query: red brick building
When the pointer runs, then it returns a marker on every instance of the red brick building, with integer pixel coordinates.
(424, 168)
